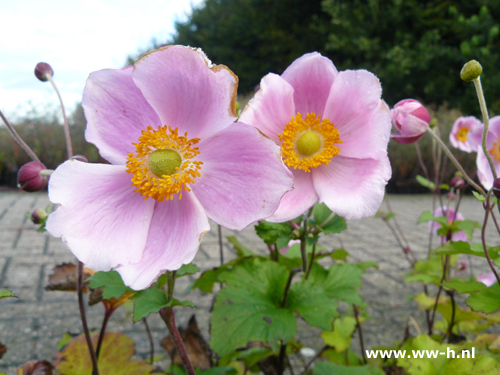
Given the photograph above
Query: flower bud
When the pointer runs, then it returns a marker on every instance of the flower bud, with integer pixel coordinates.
(39, 216)
(471, 71)
(406, 250)
(451, 196)
(81, 158)
(462, 266)
(29, 177)
(411, 119)
(496, 188)
(457, 182)
(42, 70)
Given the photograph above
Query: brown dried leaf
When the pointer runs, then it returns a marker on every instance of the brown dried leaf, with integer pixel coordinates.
(111, 304)
(196, 347)
(35, 367)
(65, 276)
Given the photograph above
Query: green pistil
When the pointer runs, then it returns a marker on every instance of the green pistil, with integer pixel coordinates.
(308, 143)
(164, 162)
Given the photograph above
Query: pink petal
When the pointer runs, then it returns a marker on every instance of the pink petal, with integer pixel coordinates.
(484, 171)
(173, 240)
(186, 91)
(311, 76)
(352, 188)
(362, 118)
(116, 112)
(102, 220)
(242, 176)
(299, 200)
(487, 279)
(398, 137)
(271, 108)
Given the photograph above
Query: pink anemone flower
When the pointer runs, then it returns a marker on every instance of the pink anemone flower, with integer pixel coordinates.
(493, 146)
(411, 119)
(451, 217)
(333, 129)
(487, 279)
(466, 134)
(177, 157)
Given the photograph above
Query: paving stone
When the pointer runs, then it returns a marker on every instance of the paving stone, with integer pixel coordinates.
(32, 325)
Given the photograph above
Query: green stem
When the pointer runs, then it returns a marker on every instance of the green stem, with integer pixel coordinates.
(456, 163)
(303, 242)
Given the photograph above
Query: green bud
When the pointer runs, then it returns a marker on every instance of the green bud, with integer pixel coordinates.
(433, 123)
(471, 71)
(164, 162)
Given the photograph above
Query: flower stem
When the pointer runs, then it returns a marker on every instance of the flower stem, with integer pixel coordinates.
(151, 342)
(456, 163)
(167, 314)
(486, 122)
(79, 287)
(313, 254)
(487, 209)
(303, 242)
(219, 230)
(18, 139)
(360, 332)
(105, 321)
(66, 127)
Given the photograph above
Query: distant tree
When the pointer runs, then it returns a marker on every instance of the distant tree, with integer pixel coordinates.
(417, 48)
(255, 37)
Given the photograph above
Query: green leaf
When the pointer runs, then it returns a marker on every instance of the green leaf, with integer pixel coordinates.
(486, 301)
(65, 339)
(187, 269)
(340, 254)
(330, 368)
(469, 287)
(111, 282)
(327, 221)
(428, 216)
(339, 282)
(179, 370)
(426, 183)
(309, 301)
(467, 226)
(365, 265)
(4, 293)
(274, 233)
(115, 357)
(241, 250)
(461, 247)
(247, 308)
(427, 271)
(208, 278)
(479, 365)
(149, 301)
(480, 197)
(340, 338)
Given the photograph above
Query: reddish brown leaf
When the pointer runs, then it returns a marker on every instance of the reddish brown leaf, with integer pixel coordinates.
(36, 368)
(65, 276)
(197, 349)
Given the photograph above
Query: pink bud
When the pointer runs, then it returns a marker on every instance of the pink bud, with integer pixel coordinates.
(462, 266)
(81, 158)
(457, 182)
(496, 188)
(42, 70)
(451, 196)
(406, 250)
(29, 177)
(411, 119)
(39, 216)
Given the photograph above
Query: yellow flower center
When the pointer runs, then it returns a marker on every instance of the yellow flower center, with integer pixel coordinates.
(495, 150)
(163, 164)
(462, 134)
(310, 142)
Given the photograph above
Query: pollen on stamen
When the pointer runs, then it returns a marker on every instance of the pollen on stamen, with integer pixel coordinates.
(313, 154)
(167, 186)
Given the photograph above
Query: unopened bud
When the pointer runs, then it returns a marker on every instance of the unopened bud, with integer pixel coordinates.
(43, 70)
(451, 196)
(29, 177)
(411, 120)
(457, 182)
(406, 250)
(39, 216)
(462, 266)
(79, 157)
(471, 71)
(496, 188)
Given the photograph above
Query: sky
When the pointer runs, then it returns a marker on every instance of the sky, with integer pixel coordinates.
(76, 38)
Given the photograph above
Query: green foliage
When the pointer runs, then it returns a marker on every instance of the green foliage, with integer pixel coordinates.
(327, 221)
(274, 233)
(487, 300)
(329, 368)
(152, 300)
(340, 338)
(227, 370)
(4, 293)
(111, 282)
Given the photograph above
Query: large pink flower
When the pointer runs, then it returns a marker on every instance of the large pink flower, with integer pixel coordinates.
(167, 126)
(493, 146)
(466, 133)
(333, 129)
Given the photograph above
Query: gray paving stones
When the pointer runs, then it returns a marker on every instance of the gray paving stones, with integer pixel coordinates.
(32, 325)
